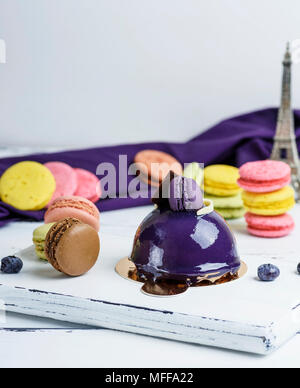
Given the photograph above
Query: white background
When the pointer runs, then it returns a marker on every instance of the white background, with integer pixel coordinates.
(94, 72)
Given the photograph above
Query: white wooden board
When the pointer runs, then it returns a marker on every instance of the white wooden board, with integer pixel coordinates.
(245, 315)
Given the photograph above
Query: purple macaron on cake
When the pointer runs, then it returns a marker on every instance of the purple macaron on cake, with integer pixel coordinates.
(183, 239)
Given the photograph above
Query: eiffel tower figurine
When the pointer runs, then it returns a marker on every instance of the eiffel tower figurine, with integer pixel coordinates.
(285, 146)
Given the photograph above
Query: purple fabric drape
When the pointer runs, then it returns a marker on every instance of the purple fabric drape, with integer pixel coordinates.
(234, 141)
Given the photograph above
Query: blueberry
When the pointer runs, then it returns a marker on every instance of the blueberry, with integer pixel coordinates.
(298, 268)
(11, 265)
(268, 272)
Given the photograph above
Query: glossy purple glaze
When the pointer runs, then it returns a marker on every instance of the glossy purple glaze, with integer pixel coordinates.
(181, 245)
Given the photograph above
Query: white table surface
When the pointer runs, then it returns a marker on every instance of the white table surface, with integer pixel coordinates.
(33, 342)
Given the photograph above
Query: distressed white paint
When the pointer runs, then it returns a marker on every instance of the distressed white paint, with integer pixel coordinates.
(245, 315)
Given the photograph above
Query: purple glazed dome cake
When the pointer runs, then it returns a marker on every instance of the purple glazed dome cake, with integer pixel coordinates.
(180, 241)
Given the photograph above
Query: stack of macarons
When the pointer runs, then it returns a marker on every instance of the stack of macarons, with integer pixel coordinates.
(69, 207)
(69, 245)
(267, 197)
(32, 186)
(220, 186)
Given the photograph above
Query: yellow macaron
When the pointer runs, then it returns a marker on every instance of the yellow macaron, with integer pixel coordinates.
(221, 180)
(27, 186)
(270, 204)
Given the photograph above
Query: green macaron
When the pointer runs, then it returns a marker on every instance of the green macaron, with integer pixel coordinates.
(39, 237)
(229, 207)
(194, 171)
(231, 214)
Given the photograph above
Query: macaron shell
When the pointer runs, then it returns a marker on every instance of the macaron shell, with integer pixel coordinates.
(40, 252)
(221, 192)
(72, 247)
(232, 202)
(230, 213)
(74, 207)
(88, 185)
(156, 165)
(185, 194)
(276, 226)
(264, 176)
(194, 171)
(59, 214)
(40, 233)
(270, 233)
(264, 171)
(221, 180)
(65, 178)
(222, 174)
(27, 186)
(270, 204)
(78, 250)
(275, 211)
(39, 237)
(229, 207)
(271, 223)
(265, 187)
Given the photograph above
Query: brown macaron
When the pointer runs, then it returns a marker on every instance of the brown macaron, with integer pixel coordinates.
(72, 247)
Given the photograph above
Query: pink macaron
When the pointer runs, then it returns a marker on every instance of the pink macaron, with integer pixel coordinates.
(270, 227)
(264, 176)
(88, 185)
(73, 207)
(65, 178)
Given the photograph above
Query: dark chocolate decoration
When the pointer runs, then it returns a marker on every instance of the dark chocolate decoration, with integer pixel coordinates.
(165, 287)
(161, 196)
